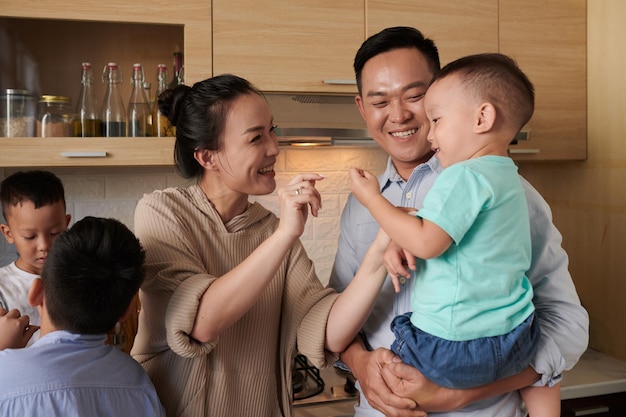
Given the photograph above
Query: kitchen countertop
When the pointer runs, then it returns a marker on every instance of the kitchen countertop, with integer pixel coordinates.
(595, 374)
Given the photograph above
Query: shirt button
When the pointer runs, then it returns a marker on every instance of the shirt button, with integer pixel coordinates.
(409, 195)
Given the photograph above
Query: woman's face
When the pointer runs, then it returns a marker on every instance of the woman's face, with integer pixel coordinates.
(250, 147)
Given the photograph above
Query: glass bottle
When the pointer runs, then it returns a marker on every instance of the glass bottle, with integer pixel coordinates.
(113, 114)
(138, 107)
(86, 121)
(178, 70)
(161, 126)
(147, 88)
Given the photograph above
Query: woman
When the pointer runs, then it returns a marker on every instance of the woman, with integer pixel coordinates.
(229, 287)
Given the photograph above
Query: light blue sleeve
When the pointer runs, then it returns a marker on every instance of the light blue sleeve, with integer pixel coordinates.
(347, 259)
(563, 320)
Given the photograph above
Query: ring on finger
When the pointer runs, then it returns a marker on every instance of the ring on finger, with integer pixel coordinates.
(298, 190)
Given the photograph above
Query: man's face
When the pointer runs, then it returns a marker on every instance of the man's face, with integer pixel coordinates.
(393, 85)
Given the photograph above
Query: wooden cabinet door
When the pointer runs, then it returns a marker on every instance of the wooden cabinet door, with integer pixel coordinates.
(548, 39)
(289, 45)
(458, 27)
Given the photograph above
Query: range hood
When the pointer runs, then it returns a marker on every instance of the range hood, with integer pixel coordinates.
(316, 119)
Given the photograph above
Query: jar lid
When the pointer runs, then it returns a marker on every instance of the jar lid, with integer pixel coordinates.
(54, 99)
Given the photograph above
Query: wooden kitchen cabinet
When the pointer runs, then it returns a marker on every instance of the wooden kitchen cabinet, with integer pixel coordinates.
(548, 40)
(458, 27)
(289, 46)
(60, 35)
(308, 46)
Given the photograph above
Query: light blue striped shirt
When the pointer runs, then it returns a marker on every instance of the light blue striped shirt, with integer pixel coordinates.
(65, 374)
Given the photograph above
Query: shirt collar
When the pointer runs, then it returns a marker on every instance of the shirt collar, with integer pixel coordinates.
(390, 175)
(63, 336)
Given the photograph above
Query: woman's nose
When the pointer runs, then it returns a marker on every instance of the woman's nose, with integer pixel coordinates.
(272, 147)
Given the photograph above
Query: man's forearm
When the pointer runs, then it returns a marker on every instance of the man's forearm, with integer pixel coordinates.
(461, 398)
(350, 355)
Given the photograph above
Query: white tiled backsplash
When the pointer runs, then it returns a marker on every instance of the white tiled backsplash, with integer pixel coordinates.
(114, 192)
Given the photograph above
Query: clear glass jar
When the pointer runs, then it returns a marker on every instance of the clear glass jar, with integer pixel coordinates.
(54, 117)
(17, 113)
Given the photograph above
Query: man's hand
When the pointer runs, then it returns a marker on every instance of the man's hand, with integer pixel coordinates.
(406, 381)
(367, 368)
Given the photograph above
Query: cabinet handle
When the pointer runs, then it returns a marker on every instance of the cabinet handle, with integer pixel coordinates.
(523, 151)
(340, 82)
(95, 154)
(591, 411)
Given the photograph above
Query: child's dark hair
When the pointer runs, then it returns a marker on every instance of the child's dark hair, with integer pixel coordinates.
(42, 188)
(392, 38)
(91, 274)
(498, 79)
(199, 114)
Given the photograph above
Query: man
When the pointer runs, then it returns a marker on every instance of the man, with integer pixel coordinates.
(393, 70)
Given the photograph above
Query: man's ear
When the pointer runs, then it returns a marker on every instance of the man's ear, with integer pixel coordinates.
(6, 232)
(35, 293)
(68, 218)
(485, 118)
(206, 158)
(359, 104)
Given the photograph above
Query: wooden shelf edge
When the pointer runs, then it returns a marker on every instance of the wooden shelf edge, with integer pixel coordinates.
(65, 152)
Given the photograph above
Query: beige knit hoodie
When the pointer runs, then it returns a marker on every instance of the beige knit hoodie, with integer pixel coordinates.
(246, 371)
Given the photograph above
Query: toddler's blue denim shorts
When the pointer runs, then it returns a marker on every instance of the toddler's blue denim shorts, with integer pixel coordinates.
(469, 363)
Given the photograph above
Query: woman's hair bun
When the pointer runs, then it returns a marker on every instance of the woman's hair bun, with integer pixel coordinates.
(171, 102)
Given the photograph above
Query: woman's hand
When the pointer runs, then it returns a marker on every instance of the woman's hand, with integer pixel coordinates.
(295, 199)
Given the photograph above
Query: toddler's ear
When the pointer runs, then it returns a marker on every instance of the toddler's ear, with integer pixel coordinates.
(35, 293)
(486, 118)
(6, 232)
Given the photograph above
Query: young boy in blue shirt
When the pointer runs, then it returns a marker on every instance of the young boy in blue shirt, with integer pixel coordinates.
(88, 281)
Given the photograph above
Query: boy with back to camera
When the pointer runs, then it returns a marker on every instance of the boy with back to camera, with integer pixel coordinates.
(87, 283)
(473, 317)
(33, 206)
